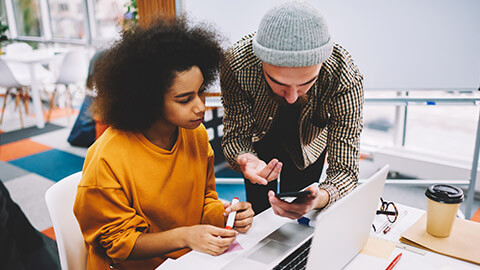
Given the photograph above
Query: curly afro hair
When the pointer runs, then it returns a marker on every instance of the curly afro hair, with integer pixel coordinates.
(133, 76)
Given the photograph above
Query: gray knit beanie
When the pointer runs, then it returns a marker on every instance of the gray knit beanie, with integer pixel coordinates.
(293, 34)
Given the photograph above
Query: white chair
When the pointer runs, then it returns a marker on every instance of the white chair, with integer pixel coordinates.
(8, 81)
(71, 246)
(73, 70)
(21, 71)
(18, 48)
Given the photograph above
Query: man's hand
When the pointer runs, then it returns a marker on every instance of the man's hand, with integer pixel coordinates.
(318, 198)
(244, 216)
(256, 170)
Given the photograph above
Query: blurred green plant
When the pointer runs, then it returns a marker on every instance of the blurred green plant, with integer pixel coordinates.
(130, 18)
(3, 31)
(31, 24)
(3, 36)
(33, 44)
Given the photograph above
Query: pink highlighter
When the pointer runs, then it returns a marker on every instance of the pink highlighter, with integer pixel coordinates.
(231, 216)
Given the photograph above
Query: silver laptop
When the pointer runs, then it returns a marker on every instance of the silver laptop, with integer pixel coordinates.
(339, 235)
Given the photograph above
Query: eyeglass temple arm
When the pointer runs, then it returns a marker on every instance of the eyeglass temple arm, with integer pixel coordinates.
(390, 213)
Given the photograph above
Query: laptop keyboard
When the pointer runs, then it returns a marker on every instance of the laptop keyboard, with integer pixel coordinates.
(296, 260)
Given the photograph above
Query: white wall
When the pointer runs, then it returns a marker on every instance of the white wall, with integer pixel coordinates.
(409, 44)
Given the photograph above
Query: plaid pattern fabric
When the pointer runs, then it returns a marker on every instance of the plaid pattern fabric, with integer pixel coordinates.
(331, 119)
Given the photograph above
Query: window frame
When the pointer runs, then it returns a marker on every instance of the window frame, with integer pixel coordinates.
(90, 39)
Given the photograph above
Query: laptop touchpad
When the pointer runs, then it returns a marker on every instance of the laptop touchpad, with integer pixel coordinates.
(269, 252)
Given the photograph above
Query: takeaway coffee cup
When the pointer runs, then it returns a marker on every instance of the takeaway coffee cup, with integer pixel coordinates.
(442, 205)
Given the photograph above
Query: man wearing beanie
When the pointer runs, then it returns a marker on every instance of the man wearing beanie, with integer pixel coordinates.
(290, 97)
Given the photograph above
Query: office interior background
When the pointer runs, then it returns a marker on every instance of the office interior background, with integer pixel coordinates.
(421, 62)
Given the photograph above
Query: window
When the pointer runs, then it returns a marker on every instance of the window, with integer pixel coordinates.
(63, 7)
(3, 23)
(426, 126)
(379, 121)
(27, 16)
(108, 18)
(67, 18)
(3, 12)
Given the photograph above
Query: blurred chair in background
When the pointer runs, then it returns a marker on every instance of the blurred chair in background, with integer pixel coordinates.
(21, 72)
(73, 70)
(15, 88)
(18, 48)
(19, 75)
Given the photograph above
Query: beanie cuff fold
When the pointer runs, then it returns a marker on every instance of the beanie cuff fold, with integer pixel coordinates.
(303, 58)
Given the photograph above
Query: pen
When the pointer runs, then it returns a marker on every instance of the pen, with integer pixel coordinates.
(270, 172)
(231, 216)
(389, 227)
(394, 262)
(306, 221)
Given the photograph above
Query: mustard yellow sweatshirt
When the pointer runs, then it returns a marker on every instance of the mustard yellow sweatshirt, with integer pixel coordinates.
(130, 186)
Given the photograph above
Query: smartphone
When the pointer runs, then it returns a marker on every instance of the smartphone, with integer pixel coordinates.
(293, 196)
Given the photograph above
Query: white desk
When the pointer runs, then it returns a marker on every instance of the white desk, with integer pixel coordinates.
(31, 59)
(267, 222)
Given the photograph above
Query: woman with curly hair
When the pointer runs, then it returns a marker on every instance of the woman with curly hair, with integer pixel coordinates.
(148, 186)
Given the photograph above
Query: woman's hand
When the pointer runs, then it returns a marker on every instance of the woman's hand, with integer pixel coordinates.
(209, 239)
(244, 216)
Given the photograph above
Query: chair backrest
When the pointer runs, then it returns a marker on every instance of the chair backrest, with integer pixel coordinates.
(74, 67)
(7, 80)
(71, 246)
(18, 48)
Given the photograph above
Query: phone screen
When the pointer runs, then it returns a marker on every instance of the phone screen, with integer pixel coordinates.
(293, 196)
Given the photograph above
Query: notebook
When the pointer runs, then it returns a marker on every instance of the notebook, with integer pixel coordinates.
(340, 233)
(463, 242)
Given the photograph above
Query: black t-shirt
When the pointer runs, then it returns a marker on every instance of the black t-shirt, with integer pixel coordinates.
(285, 129)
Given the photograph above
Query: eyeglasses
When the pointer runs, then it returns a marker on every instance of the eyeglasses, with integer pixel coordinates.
(389, 209)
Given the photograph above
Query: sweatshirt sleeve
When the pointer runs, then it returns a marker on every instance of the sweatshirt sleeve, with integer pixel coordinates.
(104, 213)
(213, 208)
